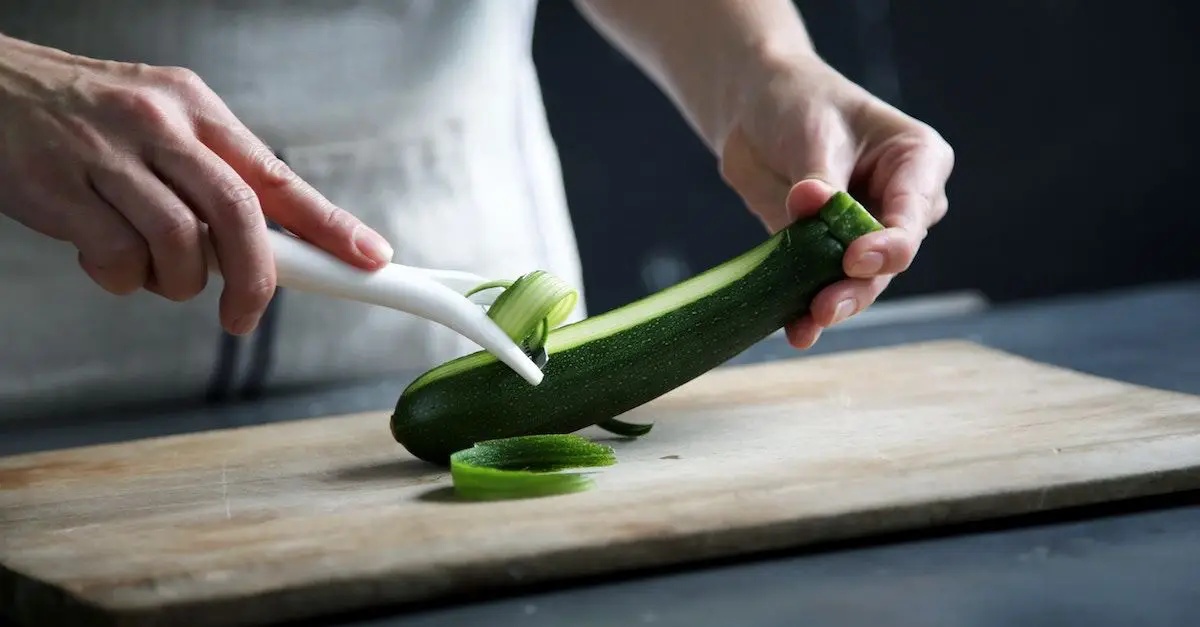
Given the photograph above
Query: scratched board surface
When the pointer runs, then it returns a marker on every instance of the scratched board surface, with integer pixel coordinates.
(267, 523)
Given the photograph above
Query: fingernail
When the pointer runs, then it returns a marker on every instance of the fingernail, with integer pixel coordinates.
(372, 245)
(244, 324)
(843, 310)
(869, 264)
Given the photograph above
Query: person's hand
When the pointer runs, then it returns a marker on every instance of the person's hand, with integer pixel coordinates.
(135, 165)
(803, 131)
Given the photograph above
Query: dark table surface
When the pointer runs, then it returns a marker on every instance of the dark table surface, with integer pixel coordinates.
(1134, 563)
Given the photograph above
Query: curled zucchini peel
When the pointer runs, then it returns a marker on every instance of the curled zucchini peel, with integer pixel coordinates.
(527, 466)
(530, 307)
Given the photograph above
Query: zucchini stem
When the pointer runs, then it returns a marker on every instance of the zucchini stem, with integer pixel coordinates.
(847, 219)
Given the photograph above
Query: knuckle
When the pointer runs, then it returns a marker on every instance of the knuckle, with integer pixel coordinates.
(948, 154)
(144, 107)
(105, 168)
(259, 289)
(940, 209)
(934, 140)
(339, 220)
(178, 230)
(183, 79)
(274, 172)
(238, 202)
(928, 134)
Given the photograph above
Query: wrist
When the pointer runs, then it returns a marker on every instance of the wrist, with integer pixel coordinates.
(747, 75)
(761, 41)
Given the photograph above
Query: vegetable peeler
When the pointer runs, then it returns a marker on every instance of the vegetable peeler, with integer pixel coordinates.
(436, 295)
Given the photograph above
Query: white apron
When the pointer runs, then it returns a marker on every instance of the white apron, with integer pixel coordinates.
(422, 117)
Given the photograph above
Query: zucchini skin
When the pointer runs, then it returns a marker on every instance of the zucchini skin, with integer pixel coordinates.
(613, 373)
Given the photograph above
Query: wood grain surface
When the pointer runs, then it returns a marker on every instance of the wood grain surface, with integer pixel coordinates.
(268, 523)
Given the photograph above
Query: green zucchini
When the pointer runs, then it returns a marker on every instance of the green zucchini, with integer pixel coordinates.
(603, 366)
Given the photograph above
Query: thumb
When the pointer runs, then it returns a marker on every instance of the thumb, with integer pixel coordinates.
(807, 197)
(815, 185)
(821, 167)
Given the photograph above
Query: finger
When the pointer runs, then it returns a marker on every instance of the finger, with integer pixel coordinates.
(807, 197)
(840, 301)
(889, 251)
(803, 333)
(763, 192)
(236, 227)
(940, 208)
(111, 251)
(834, 305)
(64, 205)
(825, 153)
(912, 191)
(293, 203)
(168, 226)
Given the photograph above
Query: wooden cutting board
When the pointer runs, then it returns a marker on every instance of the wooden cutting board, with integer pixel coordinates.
(273, 522)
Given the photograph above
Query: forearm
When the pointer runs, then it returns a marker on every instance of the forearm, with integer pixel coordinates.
(700, 52)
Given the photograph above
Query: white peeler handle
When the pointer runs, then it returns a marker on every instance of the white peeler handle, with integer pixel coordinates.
(304, 267)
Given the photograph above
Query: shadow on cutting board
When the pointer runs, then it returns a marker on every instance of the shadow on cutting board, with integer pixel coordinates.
(389, 471)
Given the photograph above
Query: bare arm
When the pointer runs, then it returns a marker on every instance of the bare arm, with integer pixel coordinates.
(701, 52)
